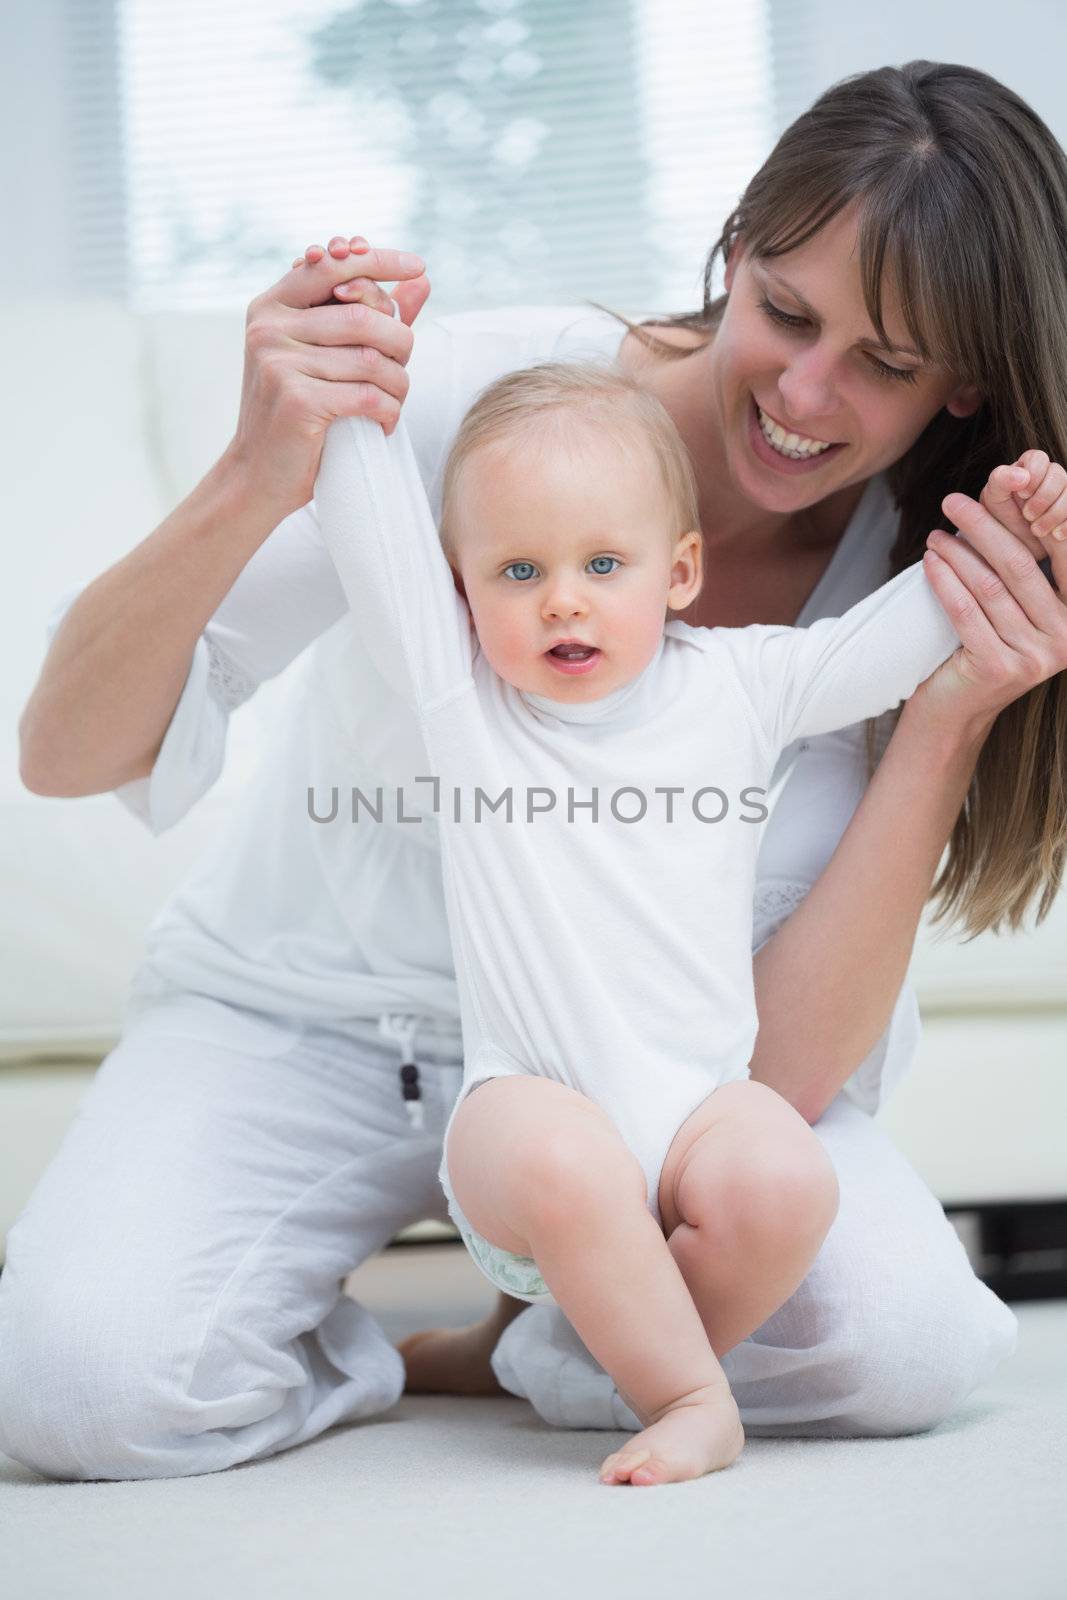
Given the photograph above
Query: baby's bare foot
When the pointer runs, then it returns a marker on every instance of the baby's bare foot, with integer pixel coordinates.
(700, 1433)
(451, 1360)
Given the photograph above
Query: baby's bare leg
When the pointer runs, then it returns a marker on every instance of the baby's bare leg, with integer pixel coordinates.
(747, 1196)
(541, 1171)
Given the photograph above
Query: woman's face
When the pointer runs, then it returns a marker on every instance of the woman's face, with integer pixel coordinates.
(809, 399)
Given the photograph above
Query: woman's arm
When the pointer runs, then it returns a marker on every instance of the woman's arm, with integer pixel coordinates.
(118, 663)
(839, 960)
(827, 981)
(120, 658)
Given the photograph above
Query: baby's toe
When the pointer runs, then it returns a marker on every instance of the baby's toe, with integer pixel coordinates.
(610, 1467)
(619, 1466)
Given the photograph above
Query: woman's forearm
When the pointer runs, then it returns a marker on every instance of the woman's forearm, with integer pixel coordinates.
(118, 662)
(827, 982)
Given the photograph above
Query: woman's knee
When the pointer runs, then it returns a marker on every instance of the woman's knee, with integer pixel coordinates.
(904, 1329)
(916, 1356)
(105, 1378)
(81, 1396)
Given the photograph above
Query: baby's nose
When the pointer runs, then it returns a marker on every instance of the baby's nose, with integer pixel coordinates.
(564, 602)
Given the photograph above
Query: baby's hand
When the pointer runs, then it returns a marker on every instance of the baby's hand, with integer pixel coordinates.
(1044, 498)
(363, 290)
(1029, 498)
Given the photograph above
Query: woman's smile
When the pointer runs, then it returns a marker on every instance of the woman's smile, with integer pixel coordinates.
(789, 453)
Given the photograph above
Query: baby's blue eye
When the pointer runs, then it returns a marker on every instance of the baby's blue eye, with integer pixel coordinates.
(522, 571)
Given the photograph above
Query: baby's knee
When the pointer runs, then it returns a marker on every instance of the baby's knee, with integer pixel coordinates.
(794, 1178)
(784, 1164)
(770, 1191)
(532, 1152)
(583, 1165)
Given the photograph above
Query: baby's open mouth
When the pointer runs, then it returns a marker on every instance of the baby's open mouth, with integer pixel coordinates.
(573, 652)
(572, 658)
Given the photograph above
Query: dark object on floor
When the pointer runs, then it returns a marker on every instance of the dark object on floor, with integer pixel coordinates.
(1017, 1247)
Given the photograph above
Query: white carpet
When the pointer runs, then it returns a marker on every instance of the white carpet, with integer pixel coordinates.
(468, 1498)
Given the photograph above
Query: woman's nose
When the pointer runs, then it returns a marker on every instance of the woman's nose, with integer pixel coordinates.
(808, 388)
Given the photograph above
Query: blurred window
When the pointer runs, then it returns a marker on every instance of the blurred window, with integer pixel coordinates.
(531, 150)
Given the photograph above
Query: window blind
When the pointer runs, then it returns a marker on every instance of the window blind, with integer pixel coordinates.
(531, 150)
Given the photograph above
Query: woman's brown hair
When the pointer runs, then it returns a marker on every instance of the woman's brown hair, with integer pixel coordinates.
(961, 192)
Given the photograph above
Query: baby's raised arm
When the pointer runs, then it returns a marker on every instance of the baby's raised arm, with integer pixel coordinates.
(841, 670)
(378, 527)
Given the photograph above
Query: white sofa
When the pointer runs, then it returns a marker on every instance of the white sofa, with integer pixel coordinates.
(111, 418)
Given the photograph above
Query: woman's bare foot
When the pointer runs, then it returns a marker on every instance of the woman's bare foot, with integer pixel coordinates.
(700, 1433)
(456, 1360)
(449, 1361)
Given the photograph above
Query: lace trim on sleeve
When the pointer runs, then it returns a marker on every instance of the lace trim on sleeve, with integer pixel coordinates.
(774, 901)
(227, 683)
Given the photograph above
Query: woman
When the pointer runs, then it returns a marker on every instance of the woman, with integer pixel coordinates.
(263, 1142)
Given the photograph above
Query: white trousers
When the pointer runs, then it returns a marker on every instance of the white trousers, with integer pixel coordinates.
(171, 1302)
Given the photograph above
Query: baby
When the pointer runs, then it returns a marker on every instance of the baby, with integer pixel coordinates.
(598, 772)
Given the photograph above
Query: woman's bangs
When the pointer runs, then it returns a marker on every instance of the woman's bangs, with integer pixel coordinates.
(895, 238)
(895, 243)
(799, 214)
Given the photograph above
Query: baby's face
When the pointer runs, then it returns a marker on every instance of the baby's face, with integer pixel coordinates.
(570, 541)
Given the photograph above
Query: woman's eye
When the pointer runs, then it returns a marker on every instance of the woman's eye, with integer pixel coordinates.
(905, 374)
(526, 569)
(602, 572)
(882, 368)
(778, 315)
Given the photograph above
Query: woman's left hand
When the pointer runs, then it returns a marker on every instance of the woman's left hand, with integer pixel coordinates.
(1012, 623)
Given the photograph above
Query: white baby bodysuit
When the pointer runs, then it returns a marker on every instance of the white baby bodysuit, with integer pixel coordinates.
(602, 921)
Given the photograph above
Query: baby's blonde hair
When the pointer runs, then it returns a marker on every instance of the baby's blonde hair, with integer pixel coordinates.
(541, 397)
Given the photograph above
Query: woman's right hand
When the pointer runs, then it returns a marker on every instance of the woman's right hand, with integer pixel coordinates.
(315, 350)
(1011, 621)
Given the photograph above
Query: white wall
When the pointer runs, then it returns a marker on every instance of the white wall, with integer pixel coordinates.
(1024, 45)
